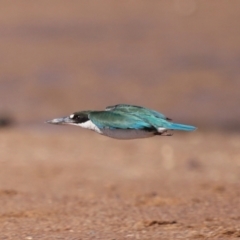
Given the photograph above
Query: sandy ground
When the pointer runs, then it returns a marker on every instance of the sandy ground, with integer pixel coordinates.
(58, 183)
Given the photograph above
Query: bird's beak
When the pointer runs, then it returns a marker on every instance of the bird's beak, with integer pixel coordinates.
(64, 120)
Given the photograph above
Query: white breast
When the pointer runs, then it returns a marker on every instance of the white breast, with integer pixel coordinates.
(117, 133)
(126, 133)
(90, 125)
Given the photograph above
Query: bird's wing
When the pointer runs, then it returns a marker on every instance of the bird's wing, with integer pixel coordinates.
(118, 120)
(136, 110)
(155, 119)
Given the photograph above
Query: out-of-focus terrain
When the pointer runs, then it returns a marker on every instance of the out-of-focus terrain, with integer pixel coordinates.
(66, 184)
(178, 57)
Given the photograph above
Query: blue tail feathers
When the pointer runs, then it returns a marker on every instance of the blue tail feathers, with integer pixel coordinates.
(181, 127)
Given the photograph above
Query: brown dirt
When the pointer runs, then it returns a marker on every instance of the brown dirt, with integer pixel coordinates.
(67, 184)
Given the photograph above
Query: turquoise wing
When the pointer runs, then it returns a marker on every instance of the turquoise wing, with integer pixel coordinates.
(136, 110)
(154, 118)
(117, 120)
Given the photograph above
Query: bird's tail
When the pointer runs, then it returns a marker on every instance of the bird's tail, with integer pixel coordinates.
(181, 127)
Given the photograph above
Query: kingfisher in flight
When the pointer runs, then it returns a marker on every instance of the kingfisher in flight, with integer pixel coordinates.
(124, 121)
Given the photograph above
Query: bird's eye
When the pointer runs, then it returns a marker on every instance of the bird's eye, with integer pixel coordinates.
(78, 117)
(75, 117)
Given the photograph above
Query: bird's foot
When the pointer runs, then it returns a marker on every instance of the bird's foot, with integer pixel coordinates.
(164, 133)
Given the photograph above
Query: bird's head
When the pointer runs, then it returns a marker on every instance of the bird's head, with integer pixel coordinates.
(76, 118)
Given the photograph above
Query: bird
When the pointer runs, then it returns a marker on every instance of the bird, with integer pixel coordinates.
(124, 121)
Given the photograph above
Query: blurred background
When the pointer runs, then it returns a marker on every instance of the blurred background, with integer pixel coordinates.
(181, 57)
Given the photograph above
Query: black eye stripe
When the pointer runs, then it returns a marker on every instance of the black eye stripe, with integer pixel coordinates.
(79, 117)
